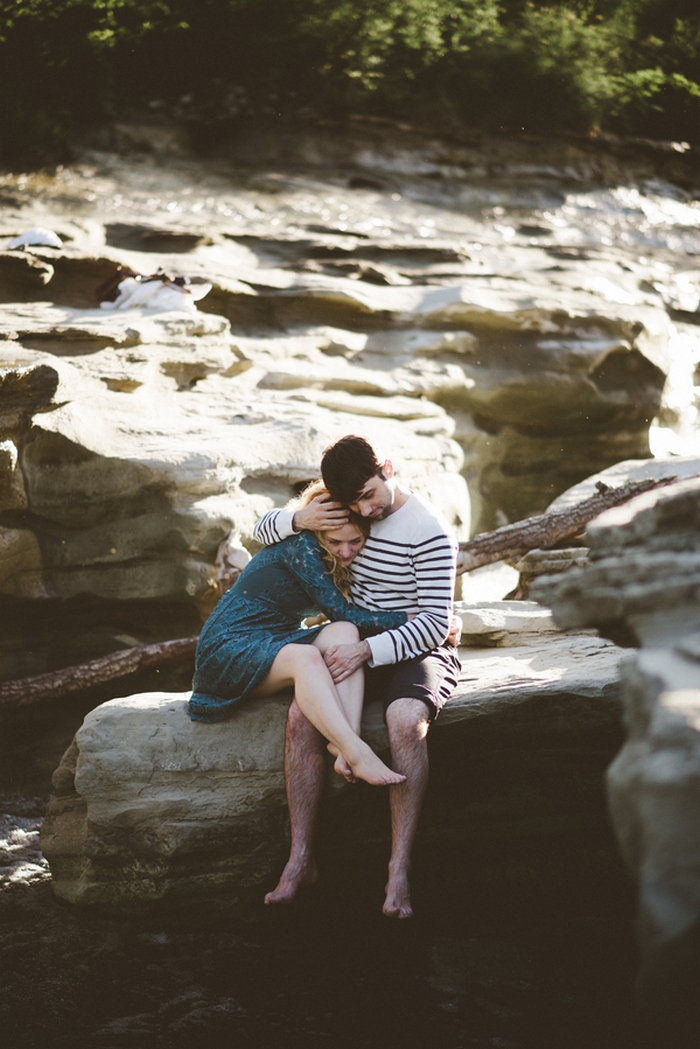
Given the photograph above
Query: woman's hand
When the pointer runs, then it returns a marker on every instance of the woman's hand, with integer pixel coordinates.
(320, 515)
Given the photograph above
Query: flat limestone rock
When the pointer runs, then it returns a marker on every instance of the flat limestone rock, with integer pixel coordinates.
(151, 453)
(152, 807)
(506, 623)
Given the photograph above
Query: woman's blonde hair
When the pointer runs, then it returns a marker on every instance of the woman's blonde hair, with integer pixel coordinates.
(339, 573)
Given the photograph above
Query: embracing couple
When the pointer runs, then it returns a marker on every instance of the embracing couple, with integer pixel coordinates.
(380, 564)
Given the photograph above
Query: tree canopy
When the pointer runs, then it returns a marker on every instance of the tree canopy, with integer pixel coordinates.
(625, 66)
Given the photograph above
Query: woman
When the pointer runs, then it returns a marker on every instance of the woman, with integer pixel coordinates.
(253, 643)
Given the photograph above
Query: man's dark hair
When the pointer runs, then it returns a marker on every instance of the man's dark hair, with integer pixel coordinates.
(347, 466)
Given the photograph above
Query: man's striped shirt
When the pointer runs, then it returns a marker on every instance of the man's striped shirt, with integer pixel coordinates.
(408, 562)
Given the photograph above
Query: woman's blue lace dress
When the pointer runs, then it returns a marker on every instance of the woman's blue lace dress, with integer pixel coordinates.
(261, 614)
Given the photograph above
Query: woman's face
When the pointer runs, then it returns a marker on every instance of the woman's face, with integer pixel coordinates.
(344, 542)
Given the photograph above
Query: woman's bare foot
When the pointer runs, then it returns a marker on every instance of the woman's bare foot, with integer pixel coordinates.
(343, 769)
(295, 874)
(398, 896)
(340, 765)
(369, 767)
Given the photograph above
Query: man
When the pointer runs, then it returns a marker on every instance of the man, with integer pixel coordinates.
(408, 563)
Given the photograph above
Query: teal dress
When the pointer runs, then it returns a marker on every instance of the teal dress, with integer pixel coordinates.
(261, 614)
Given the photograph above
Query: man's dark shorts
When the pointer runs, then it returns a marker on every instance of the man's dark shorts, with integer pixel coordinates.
(431, 677)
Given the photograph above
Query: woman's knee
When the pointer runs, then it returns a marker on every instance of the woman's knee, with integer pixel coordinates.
(341, 633)
(305, 657)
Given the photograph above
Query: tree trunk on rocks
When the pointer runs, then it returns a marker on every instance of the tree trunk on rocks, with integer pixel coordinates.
(545, 530)
(74, 679)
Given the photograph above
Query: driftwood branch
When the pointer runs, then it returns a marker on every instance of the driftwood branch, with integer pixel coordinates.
(545, 530)
(75, 679)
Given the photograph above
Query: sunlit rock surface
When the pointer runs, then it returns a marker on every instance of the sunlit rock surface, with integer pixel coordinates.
(151, 807)
(491, 321)
(146, 453)
(642, 586)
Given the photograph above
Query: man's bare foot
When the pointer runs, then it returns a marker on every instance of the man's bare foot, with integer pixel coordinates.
(398, 896)
(294, 875)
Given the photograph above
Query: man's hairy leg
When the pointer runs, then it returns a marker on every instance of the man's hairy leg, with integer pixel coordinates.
(407, 723)
(305, 770)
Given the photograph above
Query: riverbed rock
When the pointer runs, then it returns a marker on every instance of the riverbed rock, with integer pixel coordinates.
(641, 586)
(152, 808)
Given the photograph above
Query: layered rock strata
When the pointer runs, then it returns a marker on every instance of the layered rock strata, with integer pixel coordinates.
(641, 586)
(134, 442)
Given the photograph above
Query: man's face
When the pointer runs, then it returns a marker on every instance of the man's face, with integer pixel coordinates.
(376, 500)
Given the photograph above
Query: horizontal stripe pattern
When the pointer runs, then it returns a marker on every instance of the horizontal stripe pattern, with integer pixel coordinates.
(273, 527)
(407, 563)
(415, 573)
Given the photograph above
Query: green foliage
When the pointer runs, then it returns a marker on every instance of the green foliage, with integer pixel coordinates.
(631, 66)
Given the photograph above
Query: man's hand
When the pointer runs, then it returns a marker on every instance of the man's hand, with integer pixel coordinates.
(320, 515)
(455, 633)
(343, 660)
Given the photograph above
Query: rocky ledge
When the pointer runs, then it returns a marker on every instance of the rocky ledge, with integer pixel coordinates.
(153, 809)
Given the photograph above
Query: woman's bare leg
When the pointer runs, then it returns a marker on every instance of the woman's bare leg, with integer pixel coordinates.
(302, 667)
(351, 691)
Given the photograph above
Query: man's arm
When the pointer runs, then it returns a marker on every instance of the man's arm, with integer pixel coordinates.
(344, 660)
(320, 515)
(433, 562)
(434, 569)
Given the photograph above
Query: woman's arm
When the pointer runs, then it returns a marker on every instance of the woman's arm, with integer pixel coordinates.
(304, 561)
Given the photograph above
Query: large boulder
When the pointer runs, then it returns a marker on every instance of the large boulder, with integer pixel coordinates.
(654, 794)
(154, 809)
(642, 586)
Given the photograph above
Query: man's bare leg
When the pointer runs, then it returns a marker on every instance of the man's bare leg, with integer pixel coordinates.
(407, 723)
(304, 768)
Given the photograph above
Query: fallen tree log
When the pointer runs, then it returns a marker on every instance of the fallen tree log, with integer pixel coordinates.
(127, 661)
(545, 530)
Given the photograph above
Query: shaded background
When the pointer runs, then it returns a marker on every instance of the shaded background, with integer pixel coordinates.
(629, 67)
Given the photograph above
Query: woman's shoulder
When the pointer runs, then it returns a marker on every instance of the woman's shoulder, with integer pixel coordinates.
(301, 543)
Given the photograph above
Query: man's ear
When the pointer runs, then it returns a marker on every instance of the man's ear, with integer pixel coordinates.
(387, 469)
